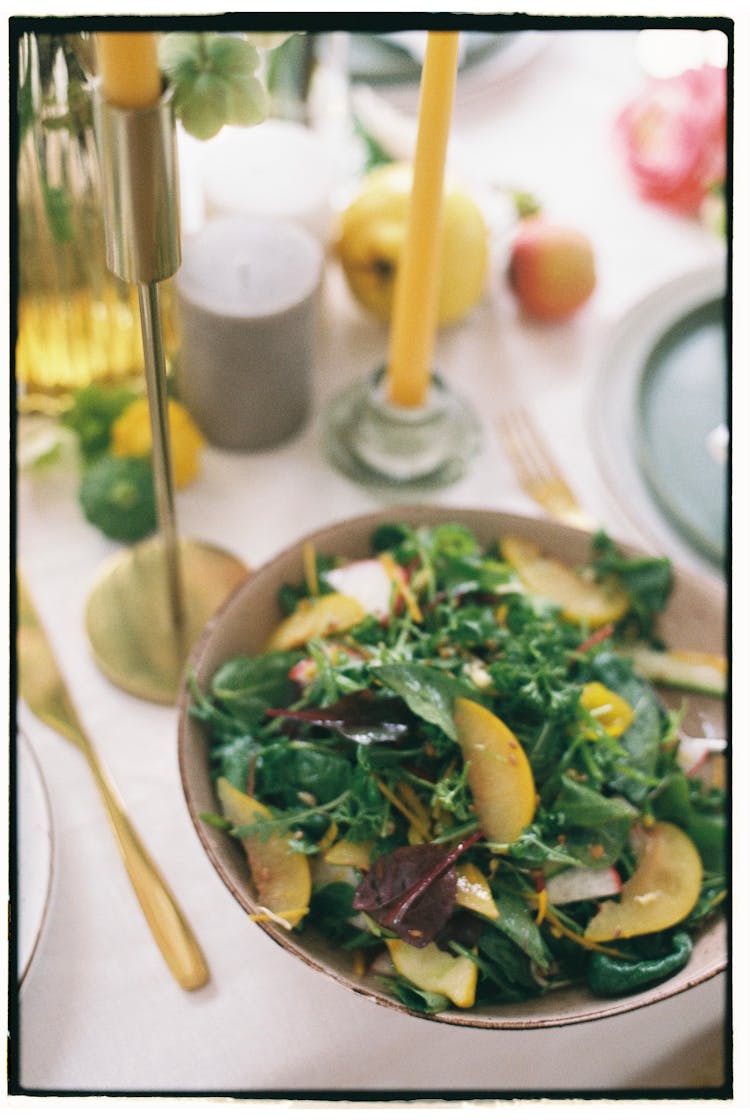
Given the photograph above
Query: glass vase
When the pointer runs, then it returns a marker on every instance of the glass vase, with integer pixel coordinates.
(78, 324)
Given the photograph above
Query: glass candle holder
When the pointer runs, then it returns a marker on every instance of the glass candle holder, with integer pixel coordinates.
(377, 443)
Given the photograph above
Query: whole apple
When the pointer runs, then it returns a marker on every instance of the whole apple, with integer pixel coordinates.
(551, 269)
(373, 230)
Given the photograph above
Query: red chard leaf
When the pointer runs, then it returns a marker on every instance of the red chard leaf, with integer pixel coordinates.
(361, 717)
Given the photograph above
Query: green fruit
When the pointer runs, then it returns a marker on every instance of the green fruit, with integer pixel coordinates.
(117, 496)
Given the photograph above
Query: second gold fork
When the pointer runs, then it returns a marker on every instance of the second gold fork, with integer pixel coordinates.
(536, 469)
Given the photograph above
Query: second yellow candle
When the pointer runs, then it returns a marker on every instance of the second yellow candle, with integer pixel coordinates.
(415, 299)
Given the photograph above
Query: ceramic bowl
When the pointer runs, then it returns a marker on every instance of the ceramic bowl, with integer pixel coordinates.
(695, 618)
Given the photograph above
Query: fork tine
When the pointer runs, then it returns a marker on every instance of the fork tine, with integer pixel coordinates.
(536, 469)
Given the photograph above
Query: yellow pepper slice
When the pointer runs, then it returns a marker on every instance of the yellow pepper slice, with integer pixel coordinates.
(610, 709)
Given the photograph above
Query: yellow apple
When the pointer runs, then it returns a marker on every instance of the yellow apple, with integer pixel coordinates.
(372, 233)
(434, 970)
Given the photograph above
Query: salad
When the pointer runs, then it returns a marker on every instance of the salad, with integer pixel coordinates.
(452, 761)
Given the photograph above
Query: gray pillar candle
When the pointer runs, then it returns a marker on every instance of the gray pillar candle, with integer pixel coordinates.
(247, 302)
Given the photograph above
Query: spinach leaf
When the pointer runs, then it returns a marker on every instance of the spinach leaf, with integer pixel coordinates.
(283, 770)
(331, 912)
(230, 759)
(425, 1003)
(707, 828)
(641, 742)
(534, 849)
(517, 923)
(612, 976)
(505, 966)
(579, 804)
(596, 827)
(246, 686)
(430, 693)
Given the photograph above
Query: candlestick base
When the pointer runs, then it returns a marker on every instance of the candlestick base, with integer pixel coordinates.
(377, 443)
(129, 623)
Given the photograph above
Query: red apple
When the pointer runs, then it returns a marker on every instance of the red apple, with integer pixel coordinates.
(551, 269)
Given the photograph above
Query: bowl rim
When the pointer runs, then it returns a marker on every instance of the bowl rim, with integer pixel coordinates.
(513, 1017)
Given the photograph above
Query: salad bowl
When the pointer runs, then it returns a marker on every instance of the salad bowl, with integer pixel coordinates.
(694, 619)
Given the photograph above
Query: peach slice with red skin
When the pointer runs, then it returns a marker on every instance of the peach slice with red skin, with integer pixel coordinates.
(499, 775)
(661, 892)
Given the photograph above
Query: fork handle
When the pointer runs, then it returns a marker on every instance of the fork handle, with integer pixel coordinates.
(171, 931)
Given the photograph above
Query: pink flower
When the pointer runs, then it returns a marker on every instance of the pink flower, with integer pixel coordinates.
(674, 138)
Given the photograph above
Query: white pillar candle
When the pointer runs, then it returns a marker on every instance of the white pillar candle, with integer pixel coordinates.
(278, 169)
(247, 299)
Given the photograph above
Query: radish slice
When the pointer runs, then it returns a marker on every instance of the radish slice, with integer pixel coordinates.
(366, 581)
(692, 753)
(578, 883)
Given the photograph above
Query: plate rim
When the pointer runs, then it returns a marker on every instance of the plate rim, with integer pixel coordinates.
(44, 820)
(477, 1019)
(620, 371)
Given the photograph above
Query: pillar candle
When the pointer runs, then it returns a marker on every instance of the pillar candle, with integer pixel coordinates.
(129, 68)
(415, 299)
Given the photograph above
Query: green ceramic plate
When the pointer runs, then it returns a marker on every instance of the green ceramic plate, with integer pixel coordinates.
(658, 402)
(681, 403)
(380, 60)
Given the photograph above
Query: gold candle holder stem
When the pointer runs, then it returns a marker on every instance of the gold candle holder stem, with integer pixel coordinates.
(151, 602)
(156, 387)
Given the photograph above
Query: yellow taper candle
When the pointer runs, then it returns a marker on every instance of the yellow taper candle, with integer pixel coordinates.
(415, 299)
(129, 68)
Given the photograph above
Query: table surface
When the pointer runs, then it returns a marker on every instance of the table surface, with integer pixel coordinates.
(98, 1011)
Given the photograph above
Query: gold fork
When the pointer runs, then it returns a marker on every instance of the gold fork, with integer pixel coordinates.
(536, 470)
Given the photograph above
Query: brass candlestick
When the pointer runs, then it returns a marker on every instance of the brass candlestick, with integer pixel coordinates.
(149, 605)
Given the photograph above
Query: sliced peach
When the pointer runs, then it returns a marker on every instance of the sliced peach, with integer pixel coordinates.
(281, 876)
(316, 618)
(347, 853)
(581, 599)
(662, 891)
(500, 776)
(435, 971)
(473, 891)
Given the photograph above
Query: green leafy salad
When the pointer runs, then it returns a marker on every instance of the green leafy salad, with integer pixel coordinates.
(449, 761)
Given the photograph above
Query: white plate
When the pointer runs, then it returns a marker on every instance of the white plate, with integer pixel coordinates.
(619, 419)
(33, 853)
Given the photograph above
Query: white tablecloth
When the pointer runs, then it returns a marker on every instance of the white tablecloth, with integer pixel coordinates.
(98, 1010)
